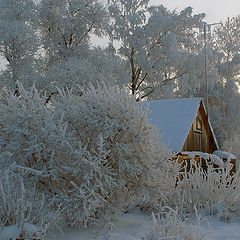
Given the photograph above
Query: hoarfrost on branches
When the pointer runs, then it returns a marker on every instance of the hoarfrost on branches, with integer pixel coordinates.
(155, 42)
(92, 155)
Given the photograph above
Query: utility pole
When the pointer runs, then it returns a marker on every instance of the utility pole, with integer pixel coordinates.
(205, 63)
(206, 30)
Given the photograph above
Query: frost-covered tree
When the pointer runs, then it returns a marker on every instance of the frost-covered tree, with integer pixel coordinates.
(66, 26)
(224, 102)
(48, 42)
(224, 99)
(226, 46)
(65, 30)
(97, 66)
(155, 42)
(18, 41)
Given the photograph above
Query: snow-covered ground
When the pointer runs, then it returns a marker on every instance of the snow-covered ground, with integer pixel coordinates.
(222, 230)
(129, 225)
(134, 224)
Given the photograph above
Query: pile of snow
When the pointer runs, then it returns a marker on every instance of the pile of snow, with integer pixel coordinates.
(215, 159)
(224, 155)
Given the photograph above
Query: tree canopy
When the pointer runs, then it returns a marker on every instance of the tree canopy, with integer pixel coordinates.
(153, 51)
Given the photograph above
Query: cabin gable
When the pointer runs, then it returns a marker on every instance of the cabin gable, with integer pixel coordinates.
(200, 137)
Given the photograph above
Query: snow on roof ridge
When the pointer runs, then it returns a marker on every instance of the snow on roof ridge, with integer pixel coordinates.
(175, 99)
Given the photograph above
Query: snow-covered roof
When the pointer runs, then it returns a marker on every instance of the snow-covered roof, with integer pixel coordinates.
(174, 118)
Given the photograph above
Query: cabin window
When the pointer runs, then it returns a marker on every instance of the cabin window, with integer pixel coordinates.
(198, 135)
(198, 124)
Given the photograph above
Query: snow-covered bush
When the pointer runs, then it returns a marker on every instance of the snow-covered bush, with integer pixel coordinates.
(129, 145)
(168, 225)
(21, 169)
(160, 184)
(24, 213)
(232, 145)
(89, 154)
(215, 192)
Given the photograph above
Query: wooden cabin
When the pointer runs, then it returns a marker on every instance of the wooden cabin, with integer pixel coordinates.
(184, 126)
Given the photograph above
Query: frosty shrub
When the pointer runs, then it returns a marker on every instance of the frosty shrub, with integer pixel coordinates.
(119, 143)
(168, 225)
(24, 213)
(91, 155)
(215, 192)
(232, 145)
(160, 184)
(21, 170)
